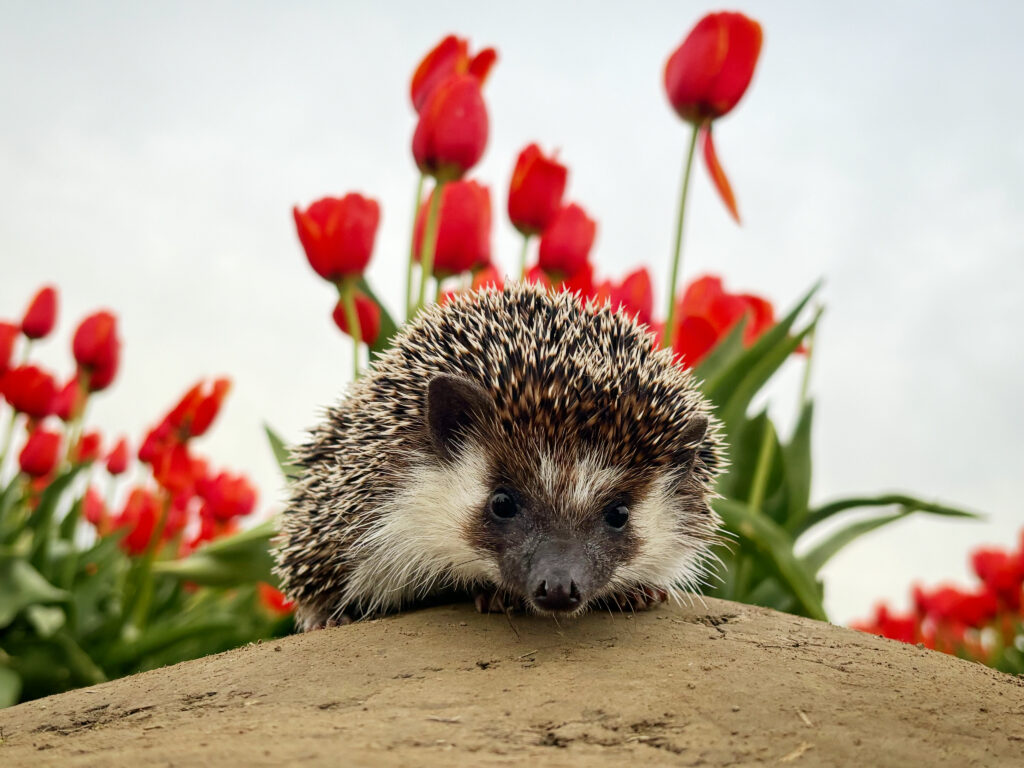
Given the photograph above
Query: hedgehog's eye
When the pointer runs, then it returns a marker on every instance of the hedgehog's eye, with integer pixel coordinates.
(503, 505)
(616, 515)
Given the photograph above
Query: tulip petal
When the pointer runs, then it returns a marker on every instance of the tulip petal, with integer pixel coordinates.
(718, 177)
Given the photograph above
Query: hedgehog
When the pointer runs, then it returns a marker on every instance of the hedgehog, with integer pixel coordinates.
(519, 448)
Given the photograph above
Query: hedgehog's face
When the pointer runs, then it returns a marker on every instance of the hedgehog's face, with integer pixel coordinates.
(563, 528)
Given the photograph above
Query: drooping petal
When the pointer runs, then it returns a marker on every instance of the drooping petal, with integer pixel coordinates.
(718, 177)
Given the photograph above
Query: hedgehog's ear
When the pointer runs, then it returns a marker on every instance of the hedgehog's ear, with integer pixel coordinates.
(454, 406)
(692, 437)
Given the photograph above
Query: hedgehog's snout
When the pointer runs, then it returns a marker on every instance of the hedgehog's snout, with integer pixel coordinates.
(558, 570)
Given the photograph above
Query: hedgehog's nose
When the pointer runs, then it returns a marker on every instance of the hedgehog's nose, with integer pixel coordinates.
(558, 575)
(557, 593)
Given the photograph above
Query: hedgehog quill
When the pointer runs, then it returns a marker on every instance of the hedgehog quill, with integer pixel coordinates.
(514, 447)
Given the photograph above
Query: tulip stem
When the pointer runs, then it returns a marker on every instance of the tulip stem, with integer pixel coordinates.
(138, 612)
(670, 325)
(8, 437)
(348, 301)
(806, 383)
(429, 245)
(412, 248)
(522, 257)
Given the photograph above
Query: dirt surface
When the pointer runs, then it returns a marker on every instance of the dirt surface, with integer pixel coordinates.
(715, 684)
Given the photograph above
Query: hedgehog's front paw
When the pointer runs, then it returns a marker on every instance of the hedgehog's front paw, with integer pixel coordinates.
(491, 600)
(640, 599)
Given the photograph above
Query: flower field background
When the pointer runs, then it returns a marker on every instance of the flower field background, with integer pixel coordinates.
(127, 554)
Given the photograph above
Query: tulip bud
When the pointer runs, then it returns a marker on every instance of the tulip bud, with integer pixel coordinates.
(451, 134)
(117, 459)
(88, 448)
(41, 315)
(140, 514)
(535, 193)
(70, 400)
(565, 245)
(338, 235)
(368, 314)
(94, 510)
(8, 337)
(709, 72)
(464, 228)
(449, 58)
(30, 390)
(97, 349)
(38, 458)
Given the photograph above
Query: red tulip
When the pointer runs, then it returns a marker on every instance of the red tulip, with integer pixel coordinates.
(706, 76)
(97, 349)
(41, 315)
(1002, 574)
(70, 400)
(30, 390)
(487, 277)
(535, 193)
(8, 336)
(705, 300)
(338, 234)
(197, 409)
(227, 496)
(709, 72)
(566, 243)
(635, 294)
(368, 313)
(117, 459)
(88, 449)
(94, 510)
(140, 515)
(451, 134)
(464, 228)
(39, 456)
(274, 599)
(694, 338)
(449, 58)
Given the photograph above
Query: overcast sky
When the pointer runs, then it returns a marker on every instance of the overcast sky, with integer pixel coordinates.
(150, 154)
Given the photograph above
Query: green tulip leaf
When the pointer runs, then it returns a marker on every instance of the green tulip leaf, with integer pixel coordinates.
(10, 689)
(823, 552)
(909, 503)
(797, 466)
(45, 619)
(719, 387)
(775, 547)
(23, 586)
(239, 559)
(282, 455)
(723, 354)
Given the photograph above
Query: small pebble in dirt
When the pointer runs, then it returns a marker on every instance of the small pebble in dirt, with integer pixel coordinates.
(462, 624)
(735, 708)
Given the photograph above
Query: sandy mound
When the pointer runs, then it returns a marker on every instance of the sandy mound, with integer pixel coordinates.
(721, 684)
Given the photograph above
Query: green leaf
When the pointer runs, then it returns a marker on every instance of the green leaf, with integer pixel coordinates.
(775, 546)
(797, 466)
(821, 554)
(387, 324)
(737, 401)
(23, 586)
(284, 460)
(10, 689)
(157, 639)
(41, 521)
(909, 503)
(723, 354)
(45, 619)
(719, 387)
(239, 559)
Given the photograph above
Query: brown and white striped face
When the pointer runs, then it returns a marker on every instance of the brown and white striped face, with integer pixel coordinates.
(557, 522)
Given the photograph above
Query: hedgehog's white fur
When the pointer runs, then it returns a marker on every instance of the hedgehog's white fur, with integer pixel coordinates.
(377, 520)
